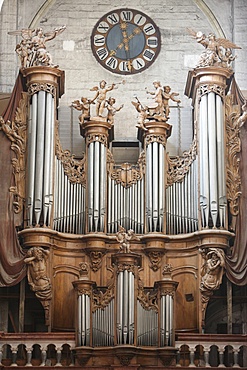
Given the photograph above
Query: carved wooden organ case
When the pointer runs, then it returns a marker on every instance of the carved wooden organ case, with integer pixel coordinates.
(115, 290)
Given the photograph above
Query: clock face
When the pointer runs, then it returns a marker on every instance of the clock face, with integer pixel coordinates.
(125, 41)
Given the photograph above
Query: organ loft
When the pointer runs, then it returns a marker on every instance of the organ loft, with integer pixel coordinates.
(124, 259)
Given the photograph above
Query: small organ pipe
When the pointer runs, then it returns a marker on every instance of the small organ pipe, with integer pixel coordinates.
(154, 187)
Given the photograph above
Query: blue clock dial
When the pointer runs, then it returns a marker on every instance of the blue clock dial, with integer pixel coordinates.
(125, 41)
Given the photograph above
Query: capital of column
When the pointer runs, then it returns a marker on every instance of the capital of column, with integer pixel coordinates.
(155, 131)
(216, 77)
(44, 78)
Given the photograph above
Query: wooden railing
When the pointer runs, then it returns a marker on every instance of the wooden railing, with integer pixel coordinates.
(58, 349)
(211, 350)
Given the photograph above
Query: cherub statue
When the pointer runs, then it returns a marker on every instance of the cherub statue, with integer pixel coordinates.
(84, 107)
(218, 51)
(112, 110)
(166, 96)
(124, 239)
(100, 96)
(143, 113)
(32, 49)
(157, 96)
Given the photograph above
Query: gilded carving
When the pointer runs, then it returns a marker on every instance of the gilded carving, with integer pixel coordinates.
(233, 148)
(37, 275)
(16, 132)
(160, 139)
(179, 166)
(32, 48)
(207, 88)
(101, 138)
(128, 174)
(47, 87)
(73, 168)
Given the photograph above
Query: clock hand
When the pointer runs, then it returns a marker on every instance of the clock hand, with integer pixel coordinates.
(125, 42)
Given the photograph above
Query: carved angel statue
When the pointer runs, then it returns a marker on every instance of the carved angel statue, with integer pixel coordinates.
(101, 95)
(32, 48)
(212, 270)
(84, 107)
(218, 51)
(166, 96)
(143, 113)
(112, 110)
(124, 237)
(162, 95)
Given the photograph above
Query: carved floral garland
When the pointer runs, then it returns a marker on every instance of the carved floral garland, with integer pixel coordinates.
(233, 148)
(16, 132)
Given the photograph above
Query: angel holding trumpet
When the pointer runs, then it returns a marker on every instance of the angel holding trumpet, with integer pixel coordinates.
(32, 48)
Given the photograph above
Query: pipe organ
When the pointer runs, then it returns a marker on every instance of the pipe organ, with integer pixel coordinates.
(127, 225)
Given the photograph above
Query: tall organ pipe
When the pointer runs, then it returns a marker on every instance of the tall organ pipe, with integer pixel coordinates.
(31, 158)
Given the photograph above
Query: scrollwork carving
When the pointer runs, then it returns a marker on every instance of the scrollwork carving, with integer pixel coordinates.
(207, 88)
(128, 174)
(155, 258)
(101, 298)
(179, 166)
(47, 87)
(147, 297)
(233, 148)
(16, 132)
(101, 138)
(160, 139)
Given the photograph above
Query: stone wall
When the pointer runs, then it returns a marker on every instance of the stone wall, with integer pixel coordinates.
(72, 51)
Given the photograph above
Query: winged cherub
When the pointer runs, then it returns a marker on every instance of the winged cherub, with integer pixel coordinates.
(32, 48)
(218, 51)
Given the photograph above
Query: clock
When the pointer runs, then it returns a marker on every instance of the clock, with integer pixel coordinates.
(125, 41)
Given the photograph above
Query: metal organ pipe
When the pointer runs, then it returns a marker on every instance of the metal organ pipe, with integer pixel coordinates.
(40, 159)
(155, 182)
(125, 206)
(212, 165)
(221, 161)
(31, 158)
(125, 307)
(181, 203)
(69, 203)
